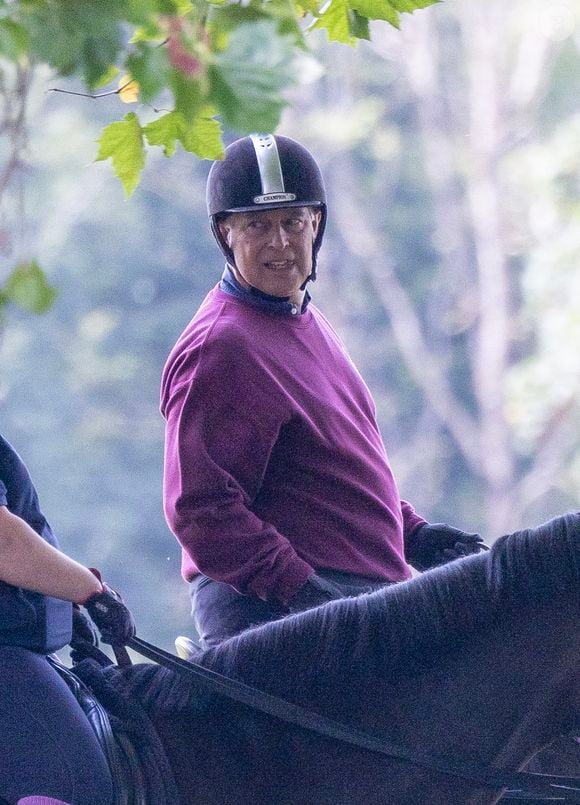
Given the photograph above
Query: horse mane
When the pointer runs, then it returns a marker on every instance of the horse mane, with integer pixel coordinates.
(388, 634)
(407, 627)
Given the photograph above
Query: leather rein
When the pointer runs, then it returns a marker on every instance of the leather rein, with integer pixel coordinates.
(518, 785)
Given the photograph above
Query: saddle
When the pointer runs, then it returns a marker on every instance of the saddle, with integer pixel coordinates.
(122, 756)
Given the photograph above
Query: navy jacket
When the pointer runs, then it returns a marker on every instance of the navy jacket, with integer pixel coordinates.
(28, 619)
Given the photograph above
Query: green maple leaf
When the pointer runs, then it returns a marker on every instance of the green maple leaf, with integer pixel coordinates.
(335, 20)
(412, 5)
(338, 20)
(303, 6)
(165, 131)
(377, 10)
(248, 77)
(359, 25)
(74, 38)
(188, 94)
(122, 142)
(148, 65)
(202, 137)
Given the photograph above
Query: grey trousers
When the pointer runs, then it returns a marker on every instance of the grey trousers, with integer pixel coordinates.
(220, 612)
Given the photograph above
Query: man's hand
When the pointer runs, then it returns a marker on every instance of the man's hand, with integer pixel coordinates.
(83, 628)
(112, 617)
(438, 543)
(315, 592)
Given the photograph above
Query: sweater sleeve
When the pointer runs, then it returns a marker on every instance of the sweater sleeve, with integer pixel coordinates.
(222, 424)
(411, 520)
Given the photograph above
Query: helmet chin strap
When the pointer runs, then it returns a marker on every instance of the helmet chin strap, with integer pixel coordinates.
(226, 251)
(312, 276)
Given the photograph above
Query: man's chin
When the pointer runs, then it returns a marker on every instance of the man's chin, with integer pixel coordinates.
(281, 286)
(283, 291)
(280, 291)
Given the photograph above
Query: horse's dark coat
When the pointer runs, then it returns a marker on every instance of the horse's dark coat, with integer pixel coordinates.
(416, 662)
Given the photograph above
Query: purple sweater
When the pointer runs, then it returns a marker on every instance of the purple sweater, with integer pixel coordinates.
(274, 464)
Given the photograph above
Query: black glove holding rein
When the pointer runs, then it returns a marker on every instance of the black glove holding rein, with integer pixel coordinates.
(436, 544)
(83, 627)
(113, 619)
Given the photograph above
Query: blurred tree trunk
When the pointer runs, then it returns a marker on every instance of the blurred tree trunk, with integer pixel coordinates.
(14, 91)
(481, 32)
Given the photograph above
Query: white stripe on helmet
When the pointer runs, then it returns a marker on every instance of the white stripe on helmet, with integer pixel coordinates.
(268, 163)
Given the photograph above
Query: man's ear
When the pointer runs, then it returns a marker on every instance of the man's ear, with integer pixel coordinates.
(225, 230)
(316, 218)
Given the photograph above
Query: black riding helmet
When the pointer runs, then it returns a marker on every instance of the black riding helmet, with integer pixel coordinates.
(265, 172)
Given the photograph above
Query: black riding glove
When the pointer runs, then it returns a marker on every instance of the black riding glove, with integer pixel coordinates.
(83, 628)
(112, 617)
(438, 543)
(315, 592)
(85, 639)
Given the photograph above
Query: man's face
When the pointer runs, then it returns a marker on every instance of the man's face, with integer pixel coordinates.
(273, 248)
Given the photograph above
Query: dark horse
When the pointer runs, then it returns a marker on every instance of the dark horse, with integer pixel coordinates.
(477, 661)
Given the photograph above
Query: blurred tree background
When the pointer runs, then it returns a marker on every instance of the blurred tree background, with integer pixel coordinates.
(451, 151)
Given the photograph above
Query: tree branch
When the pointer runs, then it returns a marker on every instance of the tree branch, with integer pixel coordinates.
(556, 445)
(98, 95)
(425, 367)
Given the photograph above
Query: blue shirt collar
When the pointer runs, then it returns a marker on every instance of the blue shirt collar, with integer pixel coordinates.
(274, 304)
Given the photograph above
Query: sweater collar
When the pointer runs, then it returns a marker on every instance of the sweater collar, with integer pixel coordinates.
(275, 304)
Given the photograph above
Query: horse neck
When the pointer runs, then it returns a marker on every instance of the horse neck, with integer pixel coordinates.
(495, 699)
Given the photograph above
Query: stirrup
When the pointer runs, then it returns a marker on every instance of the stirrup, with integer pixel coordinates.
(186, 648)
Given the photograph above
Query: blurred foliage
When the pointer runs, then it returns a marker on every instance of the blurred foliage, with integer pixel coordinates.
(27, 287)
(204, 59)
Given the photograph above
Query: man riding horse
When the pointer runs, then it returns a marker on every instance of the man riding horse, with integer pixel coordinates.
(279, 488)
(277, 483)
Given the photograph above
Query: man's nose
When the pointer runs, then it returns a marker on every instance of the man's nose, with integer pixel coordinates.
(279, 236)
